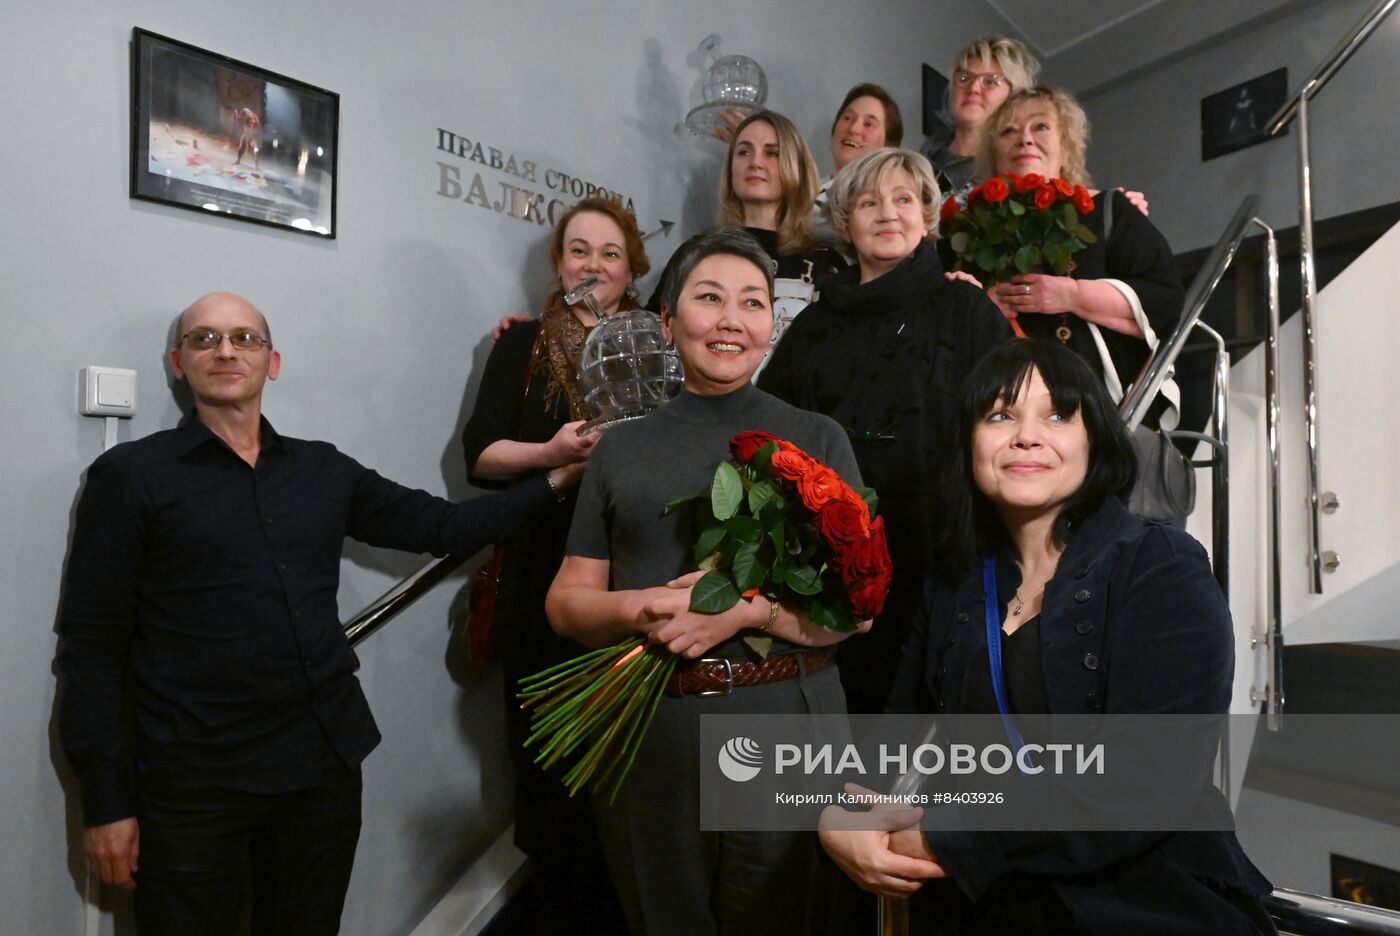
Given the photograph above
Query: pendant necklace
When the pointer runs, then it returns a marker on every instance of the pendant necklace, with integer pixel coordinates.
(1062, 332)
(1016, 611)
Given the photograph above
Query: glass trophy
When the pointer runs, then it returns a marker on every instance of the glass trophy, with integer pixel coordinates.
(625, 369)
(734, 83)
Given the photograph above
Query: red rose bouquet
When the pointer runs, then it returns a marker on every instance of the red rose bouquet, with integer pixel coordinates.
(784, 525)
(1017, 224)
(776, 522)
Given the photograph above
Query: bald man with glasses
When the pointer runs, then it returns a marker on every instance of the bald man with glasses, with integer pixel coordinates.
(201, 596)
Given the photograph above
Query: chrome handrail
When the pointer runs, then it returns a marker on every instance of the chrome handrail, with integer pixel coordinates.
(1297, 106)
(1330, 65)
(1272, 694)
(1299, 914)
(1156, 371)
(387, 605)
(1158, 367)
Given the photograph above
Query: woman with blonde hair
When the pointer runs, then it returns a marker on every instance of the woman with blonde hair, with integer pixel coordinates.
(1124, 294)
(767, 187)
(883, 353)
(983, 75)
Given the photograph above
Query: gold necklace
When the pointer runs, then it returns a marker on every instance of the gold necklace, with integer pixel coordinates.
(1021, 604)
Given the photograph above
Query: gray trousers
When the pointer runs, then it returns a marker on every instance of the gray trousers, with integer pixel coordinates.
(675, 880)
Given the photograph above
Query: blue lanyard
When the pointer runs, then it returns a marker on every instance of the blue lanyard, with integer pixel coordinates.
(989, 585)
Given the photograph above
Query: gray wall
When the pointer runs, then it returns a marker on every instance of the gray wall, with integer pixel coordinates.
(380, 331)
(1147, 131)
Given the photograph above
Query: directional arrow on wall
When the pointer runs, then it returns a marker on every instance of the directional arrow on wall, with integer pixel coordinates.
(664, 229)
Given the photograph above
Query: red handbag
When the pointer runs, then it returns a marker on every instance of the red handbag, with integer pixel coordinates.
(481, 609)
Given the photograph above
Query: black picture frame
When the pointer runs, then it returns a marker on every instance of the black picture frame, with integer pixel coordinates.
(215, 135)
(937, 118)
(1365, 883)
(1238, 117)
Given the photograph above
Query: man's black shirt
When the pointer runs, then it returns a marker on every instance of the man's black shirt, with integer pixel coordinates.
(215, 583)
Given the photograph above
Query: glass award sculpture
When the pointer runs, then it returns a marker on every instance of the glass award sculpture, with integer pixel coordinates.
(625, 369)
(734, 83)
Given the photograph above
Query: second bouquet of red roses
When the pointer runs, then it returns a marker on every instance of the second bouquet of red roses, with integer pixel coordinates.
(1015, 224)
(775, 522)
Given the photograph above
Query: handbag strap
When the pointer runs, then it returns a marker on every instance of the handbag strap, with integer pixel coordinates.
(993, 619)
(525, 387)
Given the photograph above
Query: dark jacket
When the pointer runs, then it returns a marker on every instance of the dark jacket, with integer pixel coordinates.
(886, 360)
(1132, 622)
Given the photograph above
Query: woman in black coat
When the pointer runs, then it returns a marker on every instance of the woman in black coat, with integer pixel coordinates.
(883, 352)
(1124, 294)
(1101, 613)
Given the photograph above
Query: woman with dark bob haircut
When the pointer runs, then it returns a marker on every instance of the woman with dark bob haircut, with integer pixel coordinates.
(1101, 613)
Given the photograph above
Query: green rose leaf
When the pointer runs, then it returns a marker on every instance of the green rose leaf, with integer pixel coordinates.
(726, 492)
(778, 534)
(715, 592)
(762, 457)
(708, 541)
(804, 580)
(743, 530)
(959, 242)
(748, 571)
(1016, 207)
(872, 500)
(680, 502)
(1027, 258)
(759, 645)
(822, 615)
(762, 494)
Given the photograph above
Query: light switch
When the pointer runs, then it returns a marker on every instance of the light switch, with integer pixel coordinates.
(116, 390)
(107, 391)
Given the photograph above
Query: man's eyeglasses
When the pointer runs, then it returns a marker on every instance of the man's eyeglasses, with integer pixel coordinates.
(990, 80)
(204, 339)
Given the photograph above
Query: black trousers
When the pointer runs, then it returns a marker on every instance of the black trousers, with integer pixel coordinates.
(212, 857)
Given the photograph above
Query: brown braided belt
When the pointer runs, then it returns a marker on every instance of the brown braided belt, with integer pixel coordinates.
(718, 677)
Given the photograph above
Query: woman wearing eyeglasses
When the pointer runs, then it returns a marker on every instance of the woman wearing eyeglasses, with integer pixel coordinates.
(983, 75)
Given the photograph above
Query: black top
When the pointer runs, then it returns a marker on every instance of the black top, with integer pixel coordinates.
(532, 555)
(825, 261)
(1138, 254)
(886, 360)
(1132, 622)
(215, 583)
(956, 175)
(1021, 675)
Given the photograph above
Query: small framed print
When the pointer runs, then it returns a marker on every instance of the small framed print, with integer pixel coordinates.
(1239, 117)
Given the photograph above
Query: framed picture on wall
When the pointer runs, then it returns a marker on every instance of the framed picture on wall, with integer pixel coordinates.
(216, 135)
(1239, 117)
(938, 120)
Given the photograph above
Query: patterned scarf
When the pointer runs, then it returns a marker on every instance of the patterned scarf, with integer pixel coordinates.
(557, 354)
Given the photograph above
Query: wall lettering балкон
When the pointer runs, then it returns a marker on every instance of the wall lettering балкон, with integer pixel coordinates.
(516, 198)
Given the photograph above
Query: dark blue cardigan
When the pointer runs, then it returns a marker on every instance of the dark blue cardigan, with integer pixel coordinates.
(1132, 622)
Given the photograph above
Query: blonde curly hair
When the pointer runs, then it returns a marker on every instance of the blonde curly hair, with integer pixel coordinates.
(1074, 132)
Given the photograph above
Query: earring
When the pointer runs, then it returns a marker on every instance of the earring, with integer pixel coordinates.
(631, 289)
